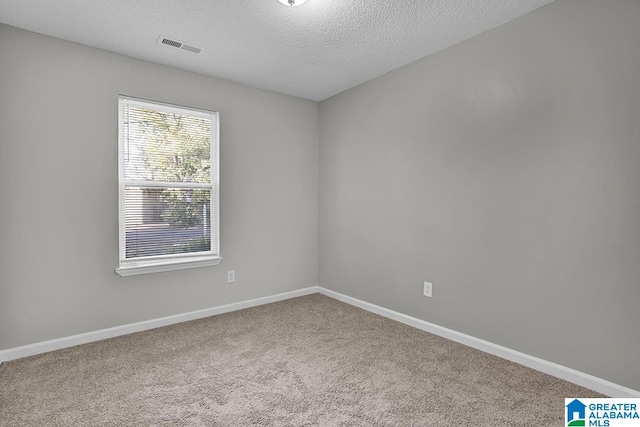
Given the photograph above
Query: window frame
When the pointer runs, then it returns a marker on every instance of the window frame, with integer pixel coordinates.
(159, 263)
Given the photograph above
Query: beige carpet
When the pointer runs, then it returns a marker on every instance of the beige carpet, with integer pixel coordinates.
(309, 361)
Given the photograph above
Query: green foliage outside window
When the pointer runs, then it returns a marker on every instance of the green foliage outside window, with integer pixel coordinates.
(177, 149)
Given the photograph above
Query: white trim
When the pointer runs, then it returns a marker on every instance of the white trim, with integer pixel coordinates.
(580, 378)
(589, 381)
(122, 237)
(214, 205)
(166, 107)
(133, 268)
(59, 343)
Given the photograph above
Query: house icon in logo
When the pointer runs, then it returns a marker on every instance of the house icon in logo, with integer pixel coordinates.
(575, 410)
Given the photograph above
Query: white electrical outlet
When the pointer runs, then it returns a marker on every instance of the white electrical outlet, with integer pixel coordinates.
(231, 276)
(428, 287)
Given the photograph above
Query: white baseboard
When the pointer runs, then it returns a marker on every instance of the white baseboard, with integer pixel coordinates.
(589, 381)
(580, 378)
(59, 343)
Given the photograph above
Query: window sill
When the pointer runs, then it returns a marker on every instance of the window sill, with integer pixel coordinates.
(147, 267)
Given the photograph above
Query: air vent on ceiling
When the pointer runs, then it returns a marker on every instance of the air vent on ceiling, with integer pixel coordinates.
(177, 44)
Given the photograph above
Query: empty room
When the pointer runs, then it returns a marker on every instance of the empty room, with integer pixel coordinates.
(320, 213)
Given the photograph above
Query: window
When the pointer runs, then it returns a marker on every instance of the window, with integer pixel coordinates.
(168, 194)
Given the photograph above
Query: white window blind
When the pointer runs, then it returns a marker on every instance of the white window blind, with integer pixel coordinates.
(168, 174)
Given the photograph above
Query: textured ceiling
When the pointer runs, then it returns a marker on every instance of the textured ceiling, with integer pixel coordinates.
(312, 51)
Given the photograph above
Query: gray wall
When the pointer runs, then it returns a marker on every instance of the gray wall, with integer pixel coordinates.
(506, 171)
(58, 174)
